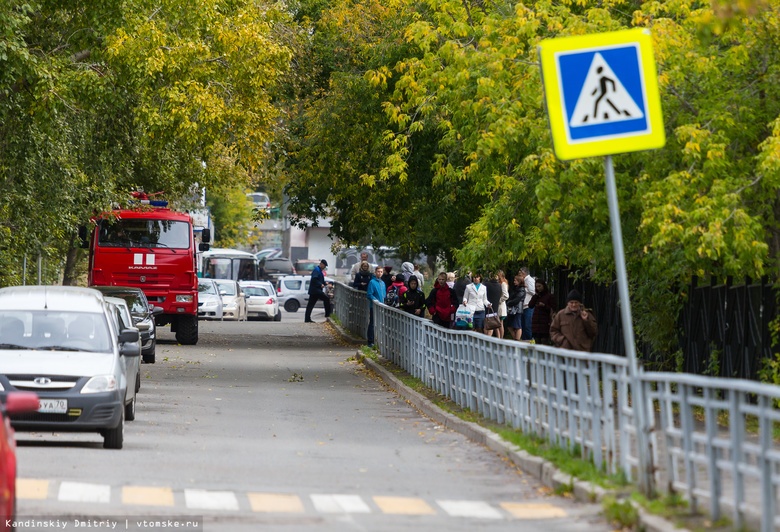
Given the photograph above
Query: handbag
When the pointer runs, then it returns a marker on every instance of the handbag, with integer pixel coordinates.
(492, 321)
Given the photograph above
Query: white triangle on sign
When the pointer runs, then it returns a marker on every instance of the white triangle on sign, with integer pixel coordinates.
(603, 99)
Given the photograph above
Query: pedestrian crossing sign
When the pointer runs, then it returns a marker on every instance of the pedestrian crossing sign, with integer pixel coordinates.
(601, 93)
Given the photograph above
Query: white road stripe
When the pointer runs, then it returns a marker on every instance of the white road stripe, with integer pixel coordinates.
(210, 500)
(84, 492)
(477, 509)
(340, 504)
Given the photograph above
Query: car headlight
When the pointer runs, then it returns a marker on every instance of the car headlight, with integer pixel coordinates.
(209, 304)
(100, 383)
(184, 298)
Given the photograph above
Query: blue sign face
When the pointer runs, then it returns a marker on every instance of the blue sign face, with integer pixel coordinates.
(603, 92)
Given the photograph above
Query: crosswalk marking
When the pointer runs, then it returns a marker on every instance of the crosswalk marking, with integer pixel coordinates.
(210, 500)
(533, 510)
(200, 499)
(404, 506)
(84, 492)
(275, 502)
(30, 488)
(478, 509)
(147, 496)
(348, 504)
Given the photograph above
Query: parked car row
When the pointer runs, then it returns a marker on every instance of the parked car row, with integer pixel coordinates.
(224, 299)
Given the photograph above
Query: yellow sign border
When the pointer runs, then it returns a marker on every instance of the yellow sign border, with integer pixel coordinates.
(564, 148)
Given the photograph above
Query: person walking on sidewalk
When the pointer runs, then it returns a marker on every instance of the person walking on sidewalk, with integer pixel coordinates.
(376, 292)
(317, 291)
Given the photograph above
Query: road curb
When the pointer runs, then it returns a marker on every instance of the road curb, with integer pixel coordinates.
(544, 471)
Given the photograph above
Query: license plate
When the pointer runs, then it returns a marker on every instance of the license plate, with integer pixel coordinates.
(53, 406)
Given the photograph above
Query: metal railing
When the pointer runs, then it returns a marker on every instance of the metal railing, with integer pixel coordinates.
(716, 435)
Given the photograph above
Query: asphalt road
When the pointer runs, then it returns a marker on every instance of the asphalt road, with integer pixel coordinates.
(274, 426)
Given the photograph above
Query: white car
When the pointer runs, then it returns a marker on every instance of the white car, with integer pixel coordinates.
(293, 291)
(124, 322)
(64, 344)
(261, 301)
(233, 300)
(209, 300)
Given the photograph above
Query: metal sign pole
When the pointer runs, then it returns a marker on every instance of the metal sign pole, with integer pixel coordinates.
(645, 465)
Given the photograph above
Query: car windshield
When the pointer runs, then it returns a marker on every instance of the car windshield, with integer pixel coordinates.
(133, 300)
(56, 331)
(144, 233)
(207, 288)
(227, 288)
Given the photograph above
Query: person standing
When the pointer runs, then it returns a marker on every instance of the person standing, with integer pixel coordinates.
(514, 308)
(502, 310)
(528, 312)
(357, 266)
(574, 327)
(493, 289)
(317, 291)
(363, 277)
(419, 275)
(376, 292)
(475, 297)
(543, 304)
(413, 300)
(442, 302)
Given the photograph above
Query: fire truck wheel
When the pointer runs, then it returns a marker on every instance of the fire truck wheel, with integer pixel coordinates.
(187, 331)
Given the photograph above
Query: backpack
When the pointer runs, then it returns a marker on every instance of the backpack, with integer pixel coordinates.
(393, 297)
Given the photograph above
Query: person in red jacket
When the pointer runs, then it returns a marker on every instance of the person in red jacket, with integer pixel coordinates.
(442, 302)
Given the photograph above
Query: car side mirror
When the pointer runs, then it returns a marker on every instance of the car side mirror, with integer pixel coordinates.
(203, 247)
(129, 336)
(205, 237)
(156, 310)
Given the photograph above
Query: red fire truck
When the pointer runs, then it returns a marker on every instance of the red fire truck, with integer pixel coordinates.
(153, 248)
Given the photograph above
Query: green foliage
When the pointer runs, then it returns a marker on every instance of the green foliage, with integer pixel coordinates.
(620, 513)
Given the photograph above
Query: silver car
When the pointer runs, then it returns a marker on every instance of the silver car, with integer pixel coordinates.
(209, 300)
(63, 343)
(132, 363)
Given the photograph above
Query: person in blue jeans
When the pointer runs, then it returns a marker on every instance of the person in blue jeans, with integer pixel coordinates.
(528, 313)
(376, 292)
(317, 291)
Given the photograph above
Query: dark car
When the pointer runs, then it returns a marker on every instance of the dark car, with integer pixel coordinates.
(270, 269)
(143, 316)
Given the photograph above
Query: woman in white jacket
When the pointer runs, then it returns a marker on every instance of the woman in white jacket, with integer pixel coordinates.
(475, 297)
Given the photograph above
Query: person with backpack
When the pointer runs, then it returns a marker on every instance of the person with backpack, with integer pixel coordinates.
(442, 302)
(413, 300)
(394, 292)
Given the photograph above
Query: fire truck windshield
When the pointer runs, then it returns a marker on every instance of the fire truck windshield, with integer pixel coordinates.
(144, 233)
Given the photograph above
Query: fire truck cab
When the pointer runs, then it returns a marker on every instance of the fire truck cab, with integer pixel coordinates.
(153, 248)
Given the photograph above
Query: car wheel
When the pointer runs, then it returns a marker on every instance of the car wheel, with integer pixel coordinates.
(187, 330)
(149, 358)
(114, 438)
(130, 410)
(138, 382)
(278, 316)
(292, 305)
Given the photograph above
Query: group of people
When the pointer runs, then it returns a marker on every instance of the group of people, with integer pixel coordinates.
(526, 310)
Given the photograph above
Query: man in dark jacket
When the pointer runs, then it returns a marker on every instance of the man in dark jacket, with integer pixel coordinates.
(574, 327)
(317, 292)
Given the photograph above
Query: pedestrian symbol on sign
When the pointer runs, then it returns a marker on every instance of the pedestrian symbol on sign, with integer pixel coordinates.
(603, 98)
